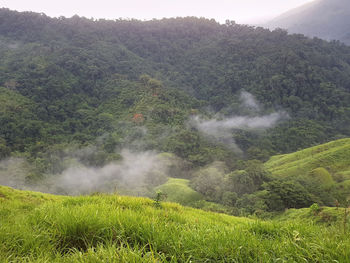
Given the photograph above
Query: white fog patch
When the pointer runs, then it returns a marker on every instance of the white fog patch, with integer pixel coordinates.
(9, 45)
(132, 171)
(13, 172)
(133, 174)
(214, 126)
(249, 101)
(13, 45)
(221, 128)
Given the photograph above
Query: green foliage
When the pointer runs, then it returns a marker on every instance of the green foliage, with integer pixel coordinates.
(286, 194)
(158, 198)
(321, 176)
(297, 134)
(341, 192)
(315, 209)
(249, 180)
(210, 181)
(238, 190)
(4, 150)
(229, 198)
(252, 204)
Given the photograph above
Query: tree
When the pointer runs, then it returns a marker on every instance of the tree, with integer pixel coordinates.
(4, 150)
(289, 193)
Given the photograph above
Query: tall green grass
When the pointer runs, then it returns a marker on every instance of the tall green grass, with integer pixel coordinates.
(111, 228)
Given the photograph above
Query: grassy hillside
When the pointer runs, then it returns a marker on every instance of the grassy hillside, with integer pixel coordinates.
(324, 171)
(178, 190)
(333, 156)
(37, 227)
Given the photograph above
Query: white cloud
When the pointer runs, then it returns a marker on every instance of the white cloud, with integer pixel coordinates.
(222, 128)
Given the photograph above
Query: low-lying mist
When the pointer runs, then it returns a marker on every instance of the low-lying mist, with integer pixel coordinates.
(133, 174)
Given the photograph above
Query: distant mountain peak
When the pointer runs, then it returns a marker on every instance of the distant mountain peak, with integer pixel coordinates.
(327, 19)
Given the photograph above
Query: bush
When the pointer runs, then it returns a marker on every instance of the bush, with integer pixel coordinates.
(315, 209)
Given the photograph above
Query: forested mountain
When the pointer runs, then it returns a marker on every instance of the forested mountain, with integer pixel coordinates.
(195, 88)
(326, 19)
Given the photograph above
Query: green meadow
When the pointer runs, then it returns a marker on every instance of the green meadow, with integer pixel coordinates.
(38, 227)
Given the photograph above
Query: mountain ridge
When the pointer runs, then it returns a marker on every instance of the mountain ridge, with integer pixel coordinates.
(326, 19)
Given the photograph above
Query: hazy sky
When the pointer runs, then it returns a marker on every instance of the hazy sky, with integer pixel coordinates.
(242, 11)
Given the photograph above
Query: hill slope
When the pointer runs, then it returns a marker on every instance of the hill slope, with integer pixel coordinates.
(333, 156)
(327, 19)
(37, 227)
(178, 190)
(323, 170)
